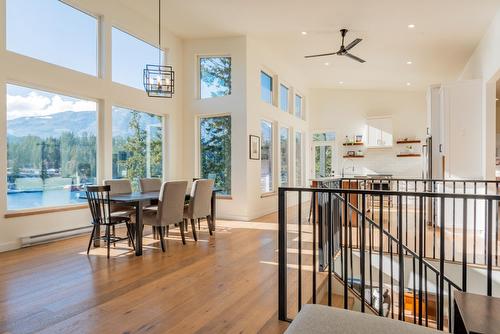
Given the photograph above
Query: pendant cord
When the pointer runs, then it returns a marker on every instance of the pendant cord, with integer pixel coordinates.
(159, 32)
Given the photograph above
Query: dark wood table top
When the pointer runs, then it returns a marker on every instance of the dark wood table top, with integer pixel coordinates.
(480, 314)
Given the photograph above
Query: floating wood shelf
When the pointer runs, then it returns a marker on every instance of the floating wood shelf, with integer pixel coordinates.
(408, 155)
(353, 156)
(353, 144)
(411, 141)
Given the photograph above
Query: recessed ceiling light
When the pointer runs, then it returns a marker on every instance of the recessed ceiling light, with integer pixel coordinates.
(409, 62)
(341, 82)
(408, 83)
(411, 26)
(304, 33)
(327, 64)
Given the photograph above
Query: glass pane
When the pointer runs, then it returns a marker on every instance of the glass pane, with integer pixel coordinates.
(215, 76)
(266, 157)
(137, 145)
(215, 151)
(323, 161)
(283, 98)
(266, 87)
(298, 159)
(51, 148)
(284, 156)
(298, 106)
(129, 58)
(53, 32)
(324, 136)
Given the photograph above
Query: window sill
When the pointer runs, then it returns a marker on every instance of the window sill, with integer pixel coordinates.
(224, 197)
(270, 194)
(32, 212)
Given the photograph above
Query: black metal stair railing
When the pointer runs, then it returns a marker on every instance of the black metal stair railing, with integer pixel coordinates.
(324, 252)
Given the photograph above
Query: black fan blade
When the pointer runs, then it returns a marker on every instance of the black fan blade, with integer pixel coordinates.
(321, 55)
(354, 57)
(353, 44)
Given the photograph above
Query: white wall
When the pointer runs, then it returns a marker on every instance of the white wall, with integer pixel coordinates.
(23, 70)
(346, 112)
(485, 64)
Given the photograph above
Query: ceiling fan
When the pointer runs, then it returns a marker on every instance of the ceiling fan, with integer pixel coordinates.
(343, 51)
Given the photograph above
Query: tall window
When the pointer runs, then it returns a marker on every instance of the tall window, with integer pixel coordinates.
(215, 151)
(298, 106)
(266, 157)
(129, 56)
(137, 145)
(284, 153)
(215, 76)
(298, 159)
(266, 87)
(284, 98)
(53, 32)
(51, 148)
(323, 146)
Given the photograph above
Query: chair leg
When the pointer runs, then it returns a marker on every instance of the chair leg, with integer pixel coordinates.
(91, 239)
(166, 231)
(199, 228)
(114, 235)
(162, 241)
(130, 238)
(209, 223)
(193, 228)
(108, 238)
(181, 227)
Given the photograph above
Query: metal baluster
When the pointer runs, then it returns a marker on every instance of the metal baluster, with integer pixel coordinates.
(414, 293)
(330, 241)
(426, 298)
(401, 306)
(474, 231)
(392, 279)
(453, 228)
(362, 251)
(441, 264)
(415, 220)
(420, 254)
(314, 257)
(489, 240)
(485, 213)
(299, 290)
(345, 251)
(380, 256)
(449, 307)
(464, 248)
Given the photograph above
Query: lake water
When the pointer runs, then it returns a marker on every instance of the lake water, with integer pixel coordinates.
(39, 199)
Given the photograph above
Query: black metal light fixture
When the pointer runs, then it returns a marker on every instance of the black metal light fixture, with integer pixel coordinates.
(159, 79)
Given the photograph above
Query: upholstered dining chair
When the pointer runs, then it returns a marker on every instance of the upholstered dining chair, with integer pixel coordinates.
(199, 206)
(150, 184)
(170, 209)
(100, 208)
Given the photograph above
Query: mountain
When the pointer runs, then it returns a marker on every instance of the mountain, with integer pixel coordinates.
(68, 121)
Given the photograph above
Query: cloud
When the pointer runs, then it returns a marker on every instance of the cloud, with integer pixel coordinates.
(36, 105)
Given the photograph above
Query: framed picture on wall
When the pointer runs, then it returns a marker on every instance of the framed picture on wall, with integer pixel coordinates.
(254, 147)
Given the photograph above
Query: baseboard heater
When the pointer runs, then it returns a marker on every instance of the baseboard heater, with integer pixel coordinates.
(53, 236)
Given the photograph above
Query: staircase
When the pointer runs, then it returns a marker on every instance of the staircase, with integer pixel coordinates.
(399, 253)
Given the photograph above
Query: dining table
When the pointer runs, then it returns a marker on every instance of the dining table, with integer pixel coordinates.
(139, 200)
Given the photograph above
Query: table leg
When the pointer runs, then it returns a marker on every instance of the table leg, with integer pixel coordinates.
(213, 209)
(138, 229)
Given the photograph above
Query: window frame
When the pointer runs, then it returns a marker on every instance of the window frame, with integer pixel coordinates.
(318, 143)
(273, 83)
(273, 156)
(289, 90)
(302, 157)
(198, 74)
(100, 47)
(197, 138)
(12, 213)
(302, 113)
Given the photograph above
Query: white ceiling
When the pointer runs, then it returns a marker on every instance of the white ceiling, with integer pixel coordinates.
(446, 33)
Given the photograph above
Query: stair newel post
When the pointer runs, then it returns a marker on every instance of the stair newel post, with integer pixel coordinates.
(282, 287)
(299, 253)
(346, 254)
(401, 277)
(362, 251)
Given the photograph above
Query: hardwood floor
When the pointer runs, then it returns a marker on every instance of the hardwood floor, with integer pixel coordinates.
(221, 284)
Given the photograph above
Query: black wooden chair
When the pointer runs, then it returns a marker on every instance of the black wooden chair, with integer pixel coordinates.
(100, 208)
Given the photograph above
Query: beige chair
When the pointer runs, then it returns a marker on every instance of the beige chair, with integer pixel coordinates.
(199, 206)
(149, 185)
(122, 186)
(170, 209)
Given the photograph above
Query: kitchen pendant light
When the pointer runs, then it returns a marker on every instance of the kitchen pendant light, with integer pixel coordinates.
(159, 79)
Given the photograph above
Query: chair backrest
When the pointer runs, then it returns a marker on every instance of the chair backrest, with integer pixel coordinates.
(171, 203)
(200, 201)
(99, 204)
(148, 185)
(121, 186)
